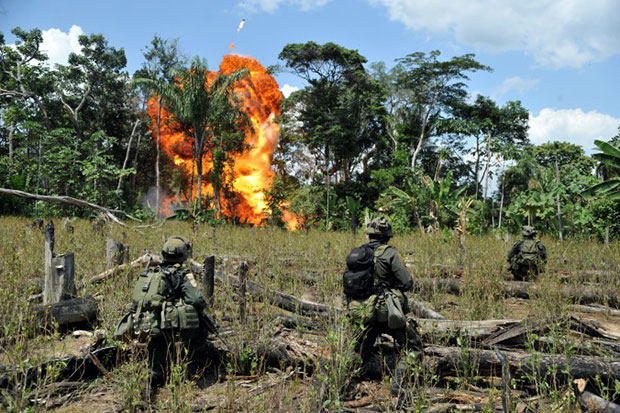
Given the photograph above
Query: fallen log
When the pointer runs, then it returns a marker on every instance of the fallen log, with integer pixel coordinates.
(73, 368)
(589, 348)
(450, 361)
(63, 313)
(594, 309)
(474, 330)
(525, 290)
(67, 200)
(422, 310)
(141, 261)
(590, 402)
(285, 301)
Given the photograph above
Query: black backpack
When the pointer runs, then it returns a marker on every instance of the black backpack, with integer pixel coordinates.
(358, 279)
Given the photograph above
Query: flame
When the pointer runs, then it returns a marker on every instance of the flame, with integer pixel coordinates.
(251, 170)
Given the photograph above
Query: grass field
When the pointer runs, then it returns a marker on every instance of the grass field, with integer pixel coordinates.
(277, 258)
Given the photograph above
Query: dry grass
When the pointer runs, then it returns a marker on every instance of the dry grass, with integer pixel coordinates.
(278, 258)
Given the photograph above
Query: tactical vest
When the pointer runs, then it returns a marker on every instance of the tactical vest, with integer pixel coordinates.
(528, 253)
(159, 306)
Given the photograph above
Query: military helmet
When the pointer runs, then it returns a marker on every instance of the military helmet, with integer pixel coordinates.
(176, 249)
(528, 231)
(380, 226)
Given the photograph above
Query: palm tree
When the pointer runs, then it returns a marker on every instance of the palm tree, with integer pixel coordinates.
(610, 159)
(210, 113)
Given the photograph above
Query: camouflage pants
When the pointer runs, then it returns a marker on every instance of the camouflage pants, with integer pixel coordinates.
(407, 338)
(169, 348)
(524, 272)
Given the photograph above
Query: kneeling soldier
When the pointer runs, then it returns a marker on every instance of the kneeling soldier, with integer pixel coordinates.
(167, 313)
(374, 286)
(527, 257)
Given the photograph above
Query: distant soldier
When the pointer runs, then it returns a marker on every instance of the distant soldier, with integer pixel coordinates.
(374, 285)
(167, 309)
(527, 257)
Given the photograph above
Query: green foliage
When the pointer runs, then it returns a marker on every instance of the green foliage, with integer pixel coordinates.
(610, 157)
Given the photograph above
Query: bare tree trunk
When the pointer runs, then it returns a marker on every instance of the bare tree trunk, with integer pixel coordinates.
(437, 170)
(423, 131)
(199, 182)
(158, 149)
(557, 181)
(488, 169)
(477, 167)
(327, 186)
(40, 155)
(501, 206)
(607, 236)
(133, 132)
(11, 133)
(135, 163)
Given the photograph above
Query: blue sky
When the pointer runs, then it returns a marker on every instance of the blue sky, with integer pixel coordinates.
(560, 58)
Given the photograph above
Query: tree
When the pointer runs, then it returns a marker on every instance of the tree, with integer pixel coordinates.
(339, 111)
(20, 78)
(433, 89)
(610, 157)
(496, 130)
(208, 111)
(162, 58)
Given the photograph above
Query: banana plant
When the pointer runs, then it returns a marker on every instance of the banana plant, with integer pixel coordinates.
(610, 158)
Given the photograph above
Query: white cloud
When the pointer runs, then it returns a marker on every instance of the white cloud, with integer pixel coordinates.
(272, 5)
(557, 34)
(517, 84)
(572, 125)
(58, 44)
(288, 89)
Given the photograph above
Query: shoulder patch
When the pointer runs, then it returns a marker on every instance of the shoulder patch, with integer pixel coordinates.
(190, 277)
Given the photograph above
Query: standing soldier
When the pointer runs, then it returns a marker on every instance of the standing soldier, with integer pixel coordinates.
(527, 257)
(167, 313)
(374, 286)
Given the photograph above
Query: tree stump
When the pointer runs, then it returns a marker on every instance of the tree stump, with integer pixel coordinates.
(208, 279)
(116, 253)
(243, 271)
(59, 271)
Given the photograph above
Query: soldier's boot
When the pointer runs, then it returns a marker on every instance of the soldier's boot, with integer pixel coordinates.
(398, 382)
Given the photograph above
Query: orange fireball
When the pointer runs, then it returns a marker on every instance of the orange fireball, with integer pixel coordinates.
(251, 171)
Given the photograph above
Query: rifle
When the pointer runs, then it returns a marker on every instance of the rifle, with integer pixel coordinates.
(210, 323)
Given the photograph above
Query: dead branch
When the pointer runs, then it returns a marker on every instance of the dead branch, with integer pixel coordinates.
(141, 261)
(71, 201)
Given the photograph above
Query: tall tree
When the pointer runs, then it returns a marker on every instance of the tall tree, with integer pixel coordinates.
(339, 111)
(433, 89)
(496, 130)
(209, 112)
(162, 58)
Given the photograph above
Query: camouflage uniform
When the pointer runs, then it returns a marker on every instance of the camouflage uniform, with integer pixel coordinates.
(521, 270)
(162, 349)
(164, 340)
(370, 315)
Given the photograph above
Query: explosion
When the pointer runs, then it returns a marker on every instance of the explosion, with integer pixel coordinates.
(251, 171)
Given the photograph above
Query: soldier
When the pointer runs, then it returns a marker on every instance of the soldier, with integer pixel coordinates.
(377, 304)
(168, 310)
(527, 257)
